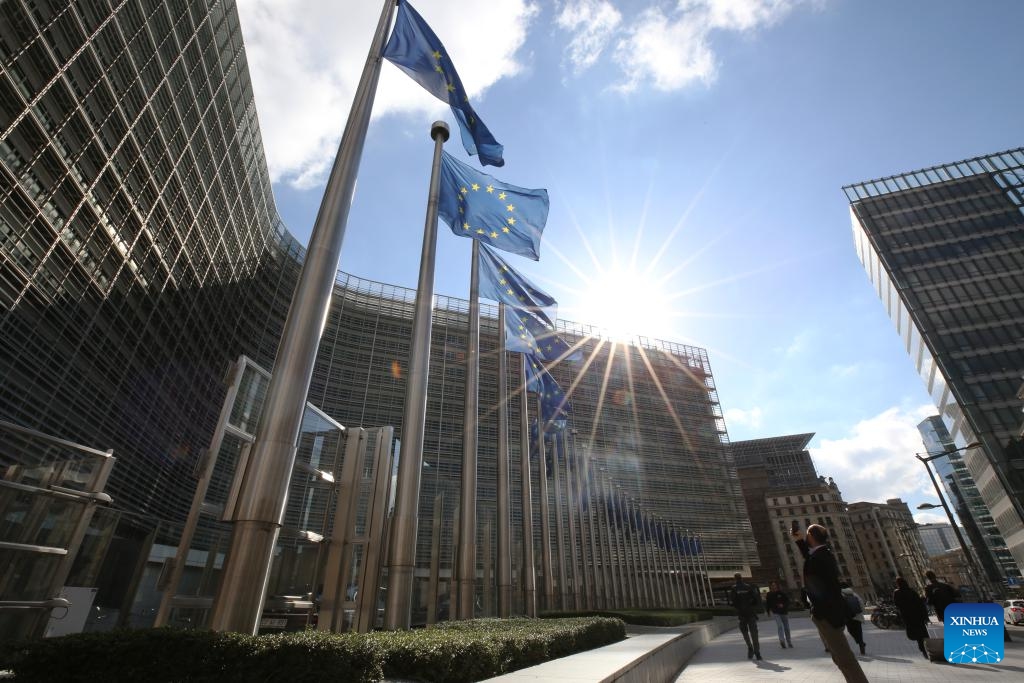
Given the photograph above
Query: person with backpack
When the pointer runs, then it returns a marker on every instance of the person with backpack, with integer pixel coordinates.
(746, 599)
(940, 595)
(855, 619)
(777, 604)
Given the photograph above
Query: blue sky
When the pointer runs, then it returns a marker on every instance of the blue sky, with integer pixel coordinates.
(694, 153)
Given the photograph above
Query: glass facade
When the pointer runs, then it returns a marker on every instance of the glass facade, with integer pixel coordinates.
(965, 500)
(944, 248)
(141, 253)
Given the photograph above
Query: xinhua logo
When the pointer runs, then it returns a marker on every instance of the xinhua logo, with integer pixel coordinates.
(973, 633)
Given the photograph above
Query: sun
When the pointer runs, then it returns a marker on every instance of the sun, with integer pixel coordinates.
(625, 303)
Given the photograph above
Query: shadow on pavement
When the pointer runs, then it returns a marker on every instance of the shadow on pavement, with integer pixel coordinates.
(768, 666)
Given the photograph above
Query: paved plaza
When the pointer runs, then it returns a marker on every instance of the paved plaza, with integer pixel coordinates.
(890, 657)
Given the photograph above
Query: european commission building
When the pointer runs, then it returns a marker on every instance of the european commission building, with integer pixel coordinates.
(144, 281)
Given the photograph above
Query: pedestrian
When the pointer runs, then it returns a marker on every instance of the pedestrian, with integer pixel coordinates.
(777, 604)
(855, 624)
(746, 599)
(828, 608)
(940, 595)
(913, 612)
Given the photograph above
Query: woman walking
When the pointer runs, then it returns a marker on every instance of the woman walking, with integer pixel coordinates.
(913, 612)
(777, 605)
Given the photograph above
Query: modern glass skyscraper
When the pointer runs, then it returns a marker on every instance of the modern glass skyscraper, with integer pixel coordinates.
(141, 253)
(944, 248)
(963, 497)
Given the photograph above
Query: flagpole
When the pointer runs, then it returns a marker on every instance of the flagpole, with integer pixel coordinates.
(260, 509)
(467, 549)
(529, 570)
(504, 516)
(596, 585)
(545, 513)
(410, 458)
(556, 456)
(573, 504)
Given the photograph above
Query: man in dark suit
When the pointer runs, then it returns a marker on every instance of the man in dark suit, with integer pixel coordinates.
(747, 601)
(828, 607)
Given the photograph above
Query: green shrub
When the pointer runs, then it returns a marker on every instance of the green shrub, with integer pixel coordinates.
(169, 655)
(462, 651)
(643, 617)
(450, 652)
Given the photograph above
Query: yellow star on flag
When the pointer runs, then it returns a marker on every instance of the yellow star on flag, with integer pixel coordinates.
(490, 189)
(493, 235)
(437, 55)
(481, 231)
(510, 208)
(501, 195)
(511, 221)
(505, 229)
(475, 186)
(463, 190)
(465, 226)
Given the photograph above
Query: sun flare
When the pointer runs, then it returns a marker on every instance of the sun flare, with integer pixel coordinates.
(625, 303)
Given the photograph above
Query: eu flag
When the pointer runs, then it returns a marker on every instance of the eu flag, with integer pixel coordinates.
(526, 333)
(504, 216)
(500, 282)
(415, 49)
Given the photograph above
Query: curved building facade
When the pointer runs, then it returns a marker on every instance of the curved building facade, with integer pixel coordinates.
(141, 253)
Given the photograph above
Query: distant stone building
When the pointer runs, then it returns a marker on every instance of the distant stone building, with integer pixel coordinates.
(890, 542)
(817, 503)
(766, 468)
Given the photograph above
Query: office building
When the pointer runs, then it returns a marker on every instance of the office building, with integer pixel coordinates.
(888, 538)
(818, 503)
(937, 538)
(141, 253)
(944, 249)
(965, 501)
(766, 468)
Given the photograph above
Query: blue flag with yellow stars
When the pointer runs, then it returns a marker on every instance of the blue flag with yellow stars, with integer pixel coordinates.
(500, 282)
(503, 216)
(555, 407)
(526, 333)
(415, 49)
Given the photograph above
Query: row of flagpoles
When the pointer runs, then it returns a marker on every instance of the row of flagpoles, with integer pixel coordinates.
(495, 215)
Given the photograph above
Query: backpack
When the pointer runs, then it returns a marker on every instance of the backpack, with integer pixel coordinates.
(853, 603)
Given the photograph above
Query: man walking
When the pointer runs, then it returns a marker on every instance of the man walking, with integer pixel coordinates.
(777, 605)
(828, 607)
(747, 601)
(940, 595)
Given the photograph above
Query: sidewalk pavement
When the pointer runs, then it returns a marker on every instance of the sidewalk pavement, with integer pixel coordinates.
(890, 657)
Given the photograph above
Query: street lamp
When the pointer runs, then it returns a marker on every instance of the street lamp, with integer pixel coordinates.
(925, 459)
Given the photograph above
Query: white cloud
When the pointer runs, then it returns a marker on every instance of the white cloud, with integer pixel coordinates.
(593, 22)
(672, 50)
(876, 461)
(747, 418)
(930, 518)
(305, 59)
(847, 370)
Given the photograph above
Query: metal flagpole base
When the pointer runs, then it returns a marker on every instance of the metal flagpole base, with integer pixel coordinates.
(243, 586)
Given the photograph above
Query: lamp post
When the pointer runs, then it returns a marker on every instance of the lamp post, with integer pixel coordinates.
(925, 459)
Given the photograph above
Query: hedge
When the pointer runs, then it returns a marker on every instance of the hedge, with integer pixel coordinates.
(166, 655)
(449, 652)
(459, 651)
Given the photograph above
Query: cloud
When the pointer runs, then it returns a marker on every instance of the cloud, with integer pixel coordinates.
(593, 23)
(930, 518)
(876, 461)
(847, 370)
(747, 418)
(305, 59)
(668, 49)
